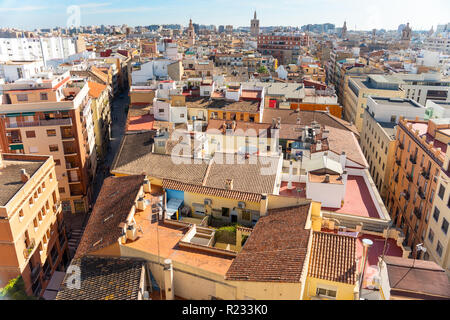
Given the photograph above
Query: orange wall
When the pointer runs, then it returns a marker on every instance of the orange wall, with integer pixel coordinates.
(335, 110)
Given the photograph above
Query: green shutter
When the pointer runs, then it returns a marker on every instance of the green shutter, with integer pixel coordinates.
(16, 147)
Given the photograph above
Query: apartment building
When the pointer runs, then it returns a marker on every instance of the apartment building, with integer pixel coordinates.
(423, 87)
(336, 55)
(439, 44)
(437, 239)
(51, 114)
(378, 134)
(32, 233)
(101, 116)
(30, 49)
(420, 155)
(15, 70)
(359, 88)
(285, 47)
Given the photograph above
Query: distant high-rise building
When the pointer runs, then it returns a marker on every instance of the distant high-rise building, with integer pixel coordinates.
(229, 29)
(221, 29)
(254, 26)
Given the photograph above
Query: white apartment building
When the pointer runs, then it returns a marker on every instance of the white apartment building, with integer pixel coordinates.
(437, 44)
(30, 49)
(11, 71)
(438, 109)
(423, 87)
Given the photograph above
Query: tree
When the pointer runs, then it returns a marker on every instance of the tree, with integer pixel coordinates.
(262, 69)
(15, 290)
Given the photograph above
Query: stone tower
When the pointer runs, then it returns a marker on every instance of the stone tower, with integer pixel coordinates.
(191, 34)
(254, 26)
(344, 30)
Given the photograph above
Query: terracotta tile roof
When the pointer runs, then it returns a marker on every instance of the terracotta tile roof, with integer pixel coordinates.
(100, 74)
(95, 89)
(276, 249)
(333, 258)
(345, 141)
(105, 278)
(135, 157)
(306, 117)
(114, 202)
(223, 193)
(426, 279)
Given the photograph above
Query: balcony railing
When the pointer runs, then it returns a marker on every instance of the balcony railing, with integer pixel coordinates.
(426, 174)
(27, 251)
(406, 195)
(421, 193)
(418, 213)
(401, 146)
(40, 123)
(35, 272)
(413, 159)
(409, 177)
(398, 162)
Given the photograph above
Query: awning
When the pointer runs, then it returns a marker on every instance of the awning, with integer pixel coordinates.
(13, 114)
(28, 114)
(16, 147)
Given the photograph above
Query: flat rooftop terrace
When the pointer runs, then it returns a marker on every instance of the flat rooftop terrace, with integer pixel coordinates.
(10, 177)
(358, 200)
(169, 237)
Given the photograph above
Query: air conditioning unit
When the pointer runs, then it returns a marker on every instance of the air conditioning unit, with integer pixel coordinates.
(131, 232)
(241, 205)
(207, 202)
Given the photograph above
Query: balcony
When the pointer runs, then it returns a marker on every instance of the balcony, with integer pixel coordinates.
(413, 159)
(418, 213)
(421, 193)
(401, 146)
(40, 123)
(29, 249)
(35, 272)
(409, 177)
(425, 174)
(398, 162)
(406, 195)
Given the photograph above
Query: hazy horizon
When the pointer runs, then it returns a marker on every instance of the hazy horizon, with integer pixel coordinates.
(386, 14)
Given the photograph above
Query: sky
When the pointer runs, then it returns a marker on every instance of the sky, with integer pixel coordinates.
(362, 14)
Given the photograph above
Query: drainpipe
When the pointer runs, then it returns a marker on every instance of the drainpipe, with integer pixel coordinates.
(366, 243)
(168, 279)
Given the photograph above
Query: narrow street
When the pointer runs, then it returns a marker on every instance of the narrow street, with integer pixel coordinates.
(76, 223)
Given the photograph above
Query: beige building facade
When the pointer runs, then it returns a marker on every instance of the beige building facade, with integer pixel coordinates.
(32, 233)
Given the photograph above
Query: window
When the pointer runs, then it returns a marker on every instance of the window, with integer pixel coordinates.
(22, 97)
(21, 215)
(439, 249)
(30, 134)
(431, 236)
(62, 190)
(326, 292)
(57, 162)
(53, 147)
(436, 214)
(161, 110)
(444, 226)
(51, 133)
(30, 201)
(441, 192)
(393, 119)
(34, 150)
(44, 96)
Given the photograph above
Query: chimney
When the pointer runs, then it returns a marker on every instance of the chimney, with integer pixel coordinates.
(24, 176)
(291, 170)
(327, 178)
(343, 159)
(229, 184)
(168, 279)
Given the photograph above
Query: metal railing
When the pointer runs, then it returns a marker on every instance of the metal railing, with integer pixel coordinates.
(40, 123)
